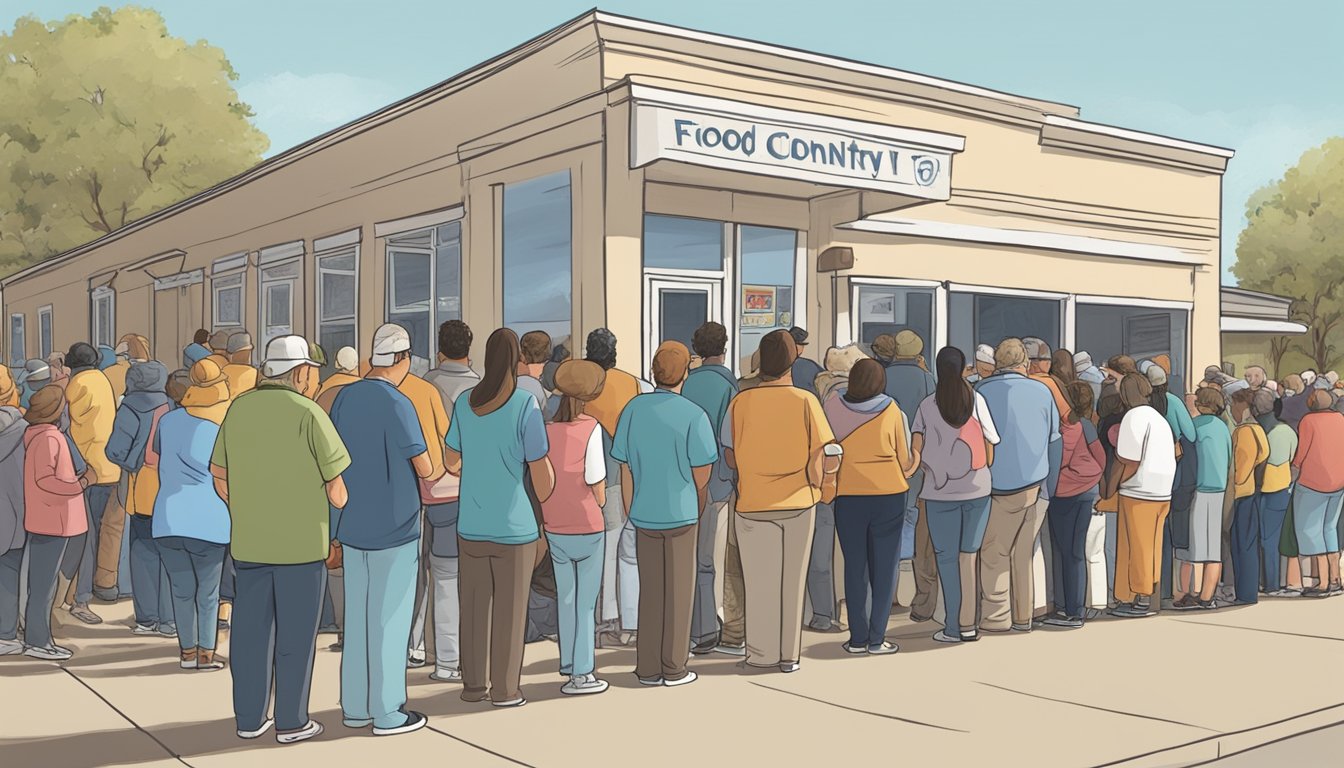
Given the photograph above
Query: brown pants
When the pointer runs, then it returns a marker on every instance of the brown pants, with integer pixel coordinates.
(1006, 578)
(493, 584)
(734, 589)
(1138, 547)
(666, 596)
(926, 571)
(109, 545)
(775, 548)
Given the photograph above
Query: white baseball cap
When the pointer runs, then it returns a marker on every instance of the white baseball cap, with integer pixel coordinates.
(389, 340)
(347, 359)
(284, 354)
(984, 354)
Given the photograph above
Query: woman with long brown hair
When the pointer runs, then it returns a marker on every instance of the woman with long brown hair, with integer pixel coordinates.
(496, 436)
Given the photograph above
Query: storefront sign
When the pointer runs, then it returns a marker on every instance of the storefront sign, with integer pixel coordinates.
(813, 148)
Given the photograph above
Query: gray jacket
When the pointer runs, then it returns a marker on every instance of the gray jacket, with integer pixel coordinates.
(12, 426)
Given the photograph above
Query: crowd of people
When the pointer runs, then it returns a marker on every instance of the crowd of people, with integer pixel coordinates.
(452, 517)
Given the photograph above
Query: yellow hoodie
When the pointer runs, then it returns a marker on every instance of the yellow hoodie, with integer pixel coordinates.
(92, 409)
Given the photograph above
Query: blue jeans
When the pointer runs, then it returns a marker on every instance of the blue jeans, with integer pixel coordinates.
(1244, 543)
(193, 568)
(1069, 519)
(1273, 512)
(956, 528)
(820, 569)
(379, 608)
(275, 615)
(47, 557)
(150, 592)
(95, 499)
(916, 482)
(578, 580)
(870, 528)
(11, 563)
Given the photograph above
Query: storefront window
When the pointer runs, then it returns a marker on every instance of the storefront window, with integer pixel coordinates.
(337, 299)
(104, 314)
(228, 304)
(1105, 330)
(985, 318)
(674, 242)
(277, 300)
(769, 263)
(892, 309)
(44, 331)
(415, 262)
(538, 256)
(18, 354)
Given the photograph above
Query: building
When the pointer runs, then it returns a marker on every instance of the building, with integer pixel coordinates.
(616, 172)
(1257, 328)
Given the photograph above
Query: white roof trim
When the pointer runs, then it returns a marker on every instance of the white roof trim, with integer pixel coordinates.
(340, 240)
(1129, 301)
(419, 221)
(274, 253)
(180, 279)
(818, 58)
(735, 109)
(1024, 238)
(997, 291)
(1139, 136)
(228, 263)
(1230, 324)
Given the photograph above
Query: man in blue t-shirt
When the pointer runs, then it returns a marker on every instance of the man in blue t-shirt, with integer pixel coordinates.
(379, 530)
(667, 450)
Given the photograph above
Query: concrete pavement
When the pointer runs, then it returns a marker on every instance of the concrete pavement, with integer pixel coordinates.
(1178, 689)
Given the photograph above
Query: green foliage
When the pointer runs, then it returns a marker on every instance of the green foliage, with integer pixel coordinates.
(1294, 246)
(104, 119)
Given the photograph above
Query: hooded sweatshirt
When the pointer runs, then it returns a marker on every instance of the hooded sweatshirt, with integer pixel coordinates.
(12, 427)
(876, 439)
(53, 499)
(92, 408)
(140, 410)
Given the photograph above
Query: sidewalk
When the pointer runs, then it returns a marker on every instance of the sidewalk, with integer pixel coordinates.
(1207, 686)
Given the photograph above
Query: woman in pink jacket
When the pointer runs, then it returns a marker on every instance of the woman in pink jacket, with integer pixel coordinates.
(54, 513)
(1070, 508)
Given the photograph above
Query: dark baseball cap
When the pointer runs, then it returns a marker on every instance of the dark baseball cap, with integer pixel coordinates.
(799, 335)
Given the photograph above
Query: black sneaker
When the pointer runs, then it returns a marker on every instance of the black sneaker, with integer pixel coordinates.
(705, 648)
(1208, 605)
(414, 722)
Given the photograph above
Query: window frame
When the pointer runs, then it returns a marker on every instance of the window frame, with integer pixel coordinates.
(18, 339)
(352, 320)
(391, 247)
(216, 289)
(97, 295)
(46, 336)
(570, 231)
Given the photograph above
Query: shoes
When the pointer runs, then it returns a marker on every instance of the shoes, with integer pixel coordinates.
(188, 659)
(970, 637)
(1314, 592)
(1186, 603)
(686, 679)
(1284, 592)
(1133, 611)
(81, 611)
(788, 666)
(10, 648)
(474, 697)
(206, 661)
(1022, 627)
(1091, 614)
(731, 650)
(167, 630)
(820, 624)
(616, 639)
(266, 726)
(1064, 622)
(415, 659)
(414, 722)
(943, 637)
(582, 685)
(857, 650)
(145, 629)
(1207, 605)
(511, 703)
(440, 675)
(49, 653)
(885, 649)
(1335, 590)
(651, 681)
(108, 596)
(919, 619)
(311, 730)
(705, 648)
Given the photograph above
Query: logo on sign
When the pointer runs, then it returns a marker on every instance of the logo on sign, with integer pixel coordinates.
(926, 170)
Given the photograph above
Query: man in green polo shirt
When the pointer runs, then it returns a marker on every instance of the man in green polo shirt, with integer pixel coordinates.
(277, 463)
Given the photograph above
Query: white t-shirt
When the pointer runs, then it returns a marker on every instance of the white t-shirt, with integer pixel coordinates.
(986, 421)
(594, 460)
(1145, 437)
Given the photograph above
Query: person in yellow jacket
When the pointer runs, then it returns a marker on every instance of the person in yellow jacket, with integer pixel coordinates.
(9, 393)
(92, 408)
(239, 371)
(1250, 451)
(870, 499)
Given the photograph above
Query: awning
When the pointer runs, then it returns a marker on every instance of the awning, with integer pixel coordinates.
(1256, 325)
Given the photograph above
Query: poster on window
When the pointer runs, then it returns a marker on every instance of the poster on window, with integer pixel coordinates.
(758, 306)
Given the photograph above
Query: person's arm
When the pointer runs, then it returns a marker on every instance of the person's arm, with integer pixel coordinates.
(452, 461)
(118, 448)
(543, 477)
(726, 437)
(535, 447)
(627, 488)
(823, 467)
(452, 442)
(423, 466)
(701, 477)
(221, 479)
(916, 453)
(50, 476)
(991, 432)
(599, 493)
(595, 466)
(905, 453)
(336, 492)
(1128, 468)
(331, 456)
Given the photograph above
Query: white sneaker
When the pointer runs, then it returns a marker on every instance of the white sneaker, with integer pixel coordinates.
(582, 685)
(731, 650)
(145, 629)
(313, 728)
(10, 648)
(518, 702)
(943, 637)
(686, 679)
(50, 653)
(414, 722)
(266, 726)
(885, 649)
(789, 666)
(415, 659)
(446, 676)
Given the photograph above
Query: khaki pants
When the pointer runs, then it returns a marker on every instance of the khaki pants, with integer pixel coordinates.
(734, 589)
(667, 571)
(925, 604)
(1138, 547)
(109, 546)
(492, 589)
(1006, 560)
(775, 548)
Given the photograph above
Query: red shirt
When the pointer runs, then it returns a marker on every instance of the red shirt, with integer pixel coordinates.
(53, 499)
(1320, 446)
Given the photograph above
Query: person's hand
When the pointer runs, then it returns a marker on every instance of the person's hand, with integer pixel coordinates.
(84, 482)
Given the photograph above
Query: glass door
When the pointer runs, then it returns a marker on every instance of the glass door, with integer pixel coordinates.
(277, 301)
(677, 307)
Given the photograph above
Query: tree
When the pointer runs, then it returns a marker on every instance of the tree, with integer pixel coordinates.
(1293, 246)
(104, 119)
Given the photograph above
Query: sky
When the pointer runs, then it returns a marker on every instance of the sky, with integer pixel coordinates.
(1238, 74)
